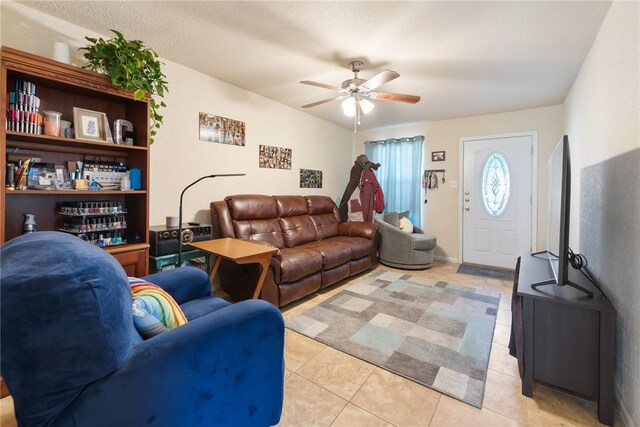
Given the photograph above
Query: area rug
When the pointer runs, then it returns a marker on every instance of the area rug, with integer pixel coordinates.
(494, 273)
(435, 333)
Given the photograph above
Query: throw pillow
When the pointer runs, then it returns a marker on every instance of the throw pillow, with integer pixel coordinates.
(404, 214)
(392, 218)
(406, 226)
(154, 310)
(146, 323)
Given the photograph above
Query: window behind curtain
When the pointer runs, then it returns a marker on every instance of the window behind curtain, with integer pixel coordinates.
(400, 173)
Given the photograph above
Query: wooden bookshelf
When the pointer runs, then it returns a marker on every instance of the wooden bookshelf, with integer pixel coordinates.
(62, 87)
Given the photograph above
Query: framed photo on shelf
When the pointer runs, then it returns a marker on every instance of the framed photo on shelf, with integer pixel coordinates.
(89, 125)
(437, 156)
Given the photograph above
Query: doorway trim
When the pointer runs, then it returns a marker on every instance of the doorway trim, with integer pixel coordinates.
(534, 182)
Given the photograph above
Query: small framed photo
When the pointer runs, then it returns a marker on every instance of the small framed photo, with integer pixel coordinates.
(89, 125)
(437, 156)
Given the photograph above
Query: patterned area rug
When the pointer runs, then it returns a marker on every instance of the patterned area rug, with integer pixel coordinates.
(435, 333)
(494, 273)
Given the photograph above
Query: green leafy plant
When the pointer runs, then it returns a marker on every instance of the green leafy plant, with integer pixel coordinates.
(131, 66)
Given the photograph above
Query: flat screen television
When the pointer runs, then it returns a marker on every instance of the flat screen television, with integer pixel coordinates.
(558, 217)
(559, 204)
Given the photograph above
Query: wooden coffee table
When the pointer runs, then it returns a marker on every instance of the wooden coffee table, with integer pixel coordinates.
(240, 252)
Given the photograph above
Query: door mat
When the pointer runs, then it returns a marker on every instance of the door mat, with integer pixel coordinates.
(435, 333)
(491, 272)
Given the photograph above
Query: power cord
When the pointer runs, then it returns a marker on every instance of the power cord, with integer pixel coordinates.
(580, 263)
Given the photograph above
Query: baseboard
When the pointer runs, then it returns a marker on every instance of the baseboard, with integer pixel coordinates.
(621, 409)
(447, 259)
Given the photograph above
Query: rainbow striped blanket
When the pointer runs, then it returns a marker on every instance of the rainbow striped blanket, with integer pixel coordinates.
(155, 301)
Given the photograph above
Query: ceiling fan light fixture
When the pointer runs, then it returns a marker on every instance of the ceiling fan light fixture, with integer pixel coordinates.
(349, 106)
(366, 106)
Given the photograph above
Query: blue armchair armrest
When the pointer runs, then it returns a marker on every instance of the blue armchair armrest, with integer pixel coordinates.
(183, 284)
(225, 368)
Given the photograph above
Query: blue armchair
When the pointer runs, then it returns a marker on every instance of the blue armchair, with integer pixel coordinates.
(71, 355)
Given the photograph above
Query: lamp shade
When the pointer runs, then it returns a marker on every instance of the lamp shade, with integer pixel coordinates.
(366, 106)
(349, 106)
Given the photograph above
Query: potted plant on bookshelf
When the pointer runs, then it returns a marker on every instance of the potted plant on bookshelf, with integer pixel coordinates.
(131, 66)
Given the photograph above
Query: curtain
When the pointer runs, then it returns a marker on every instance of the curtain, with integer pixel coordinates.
(400, 173)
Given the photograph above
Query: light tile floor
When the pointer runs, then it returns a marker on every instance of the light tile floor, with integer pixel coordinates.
(325, 387)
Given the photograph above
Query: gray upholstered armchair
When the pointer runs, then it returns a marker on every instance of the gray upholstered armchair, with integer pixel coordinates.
(399, 249)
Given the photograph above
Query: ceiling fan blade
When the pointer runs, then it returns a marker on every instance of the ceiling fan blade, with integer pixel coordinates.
(398, 97)
(324, 101)
(322, 85)
(379, 79)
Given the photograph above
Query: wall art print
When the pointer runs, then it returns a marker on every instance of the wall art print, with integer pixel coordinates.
(275, 157)
(221, 130)
(310, 178)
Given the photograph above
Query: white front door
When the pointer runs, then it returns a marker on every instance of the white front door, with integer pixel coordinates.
(497, 199)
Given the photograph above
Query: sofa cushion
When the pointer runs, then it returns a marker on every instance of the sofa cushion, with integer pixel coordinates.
(297, 263)
(152, 302)
(325, 216)
(321, 205)
(291, 205)
(406, 226)
(394, 218)
(266, 230)
(423, 242)
(359, 246)
(326, 225)
(251, 206)
(294, 220)
(334, 253)
(297, 230)
(202, 306)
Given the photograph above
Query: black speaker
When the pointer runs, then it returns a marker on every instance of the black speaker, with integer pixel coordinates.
(164, 240)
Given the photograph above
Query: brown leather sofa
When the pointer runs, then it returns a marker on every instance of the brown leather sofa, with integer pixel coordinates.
(316, 250)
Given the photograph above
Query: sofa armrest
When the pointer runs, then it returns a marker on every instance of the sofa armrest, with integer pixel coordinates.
(226, 367)
(388, 231)
(358, 229)
(183, 284)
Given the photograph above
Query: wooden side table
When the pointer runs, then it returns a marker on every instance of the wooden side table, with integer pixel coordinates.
(240, 252)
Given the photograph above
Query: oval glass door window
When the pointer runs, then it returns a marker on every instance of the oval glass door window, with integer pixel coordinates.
(496, 184)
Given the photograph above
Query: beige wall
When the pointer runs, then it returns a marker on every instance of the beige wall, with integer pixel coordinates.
(440, 216)
(601, 108)
(603, 123)
(178, 157)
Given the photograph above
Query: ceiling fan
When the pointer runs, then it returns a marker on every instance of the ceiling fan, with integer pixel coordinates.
(356, 93)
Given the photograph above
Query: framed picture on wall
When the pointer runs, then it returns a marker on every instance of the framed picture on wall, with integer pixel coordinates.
(274, 157)
(221, 129)
(438, 156)
(310, 178)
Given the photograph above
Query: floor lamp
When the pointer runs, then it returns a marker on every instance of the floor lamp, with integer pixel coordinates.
(180, 213)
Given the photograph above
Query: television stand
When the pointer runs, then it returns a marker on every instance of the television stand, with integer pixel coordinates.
(568, 338)
(536, 285)
(554, 282)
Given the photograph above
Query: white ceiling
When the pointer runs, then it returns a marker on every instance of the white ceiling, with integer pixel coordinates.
(462, 58)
